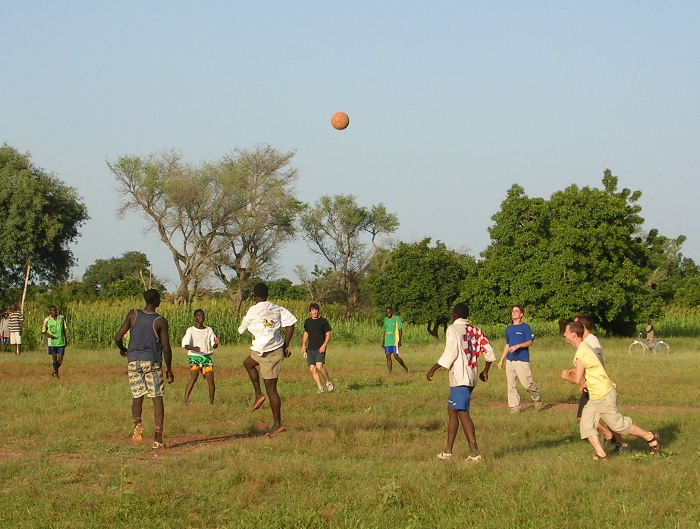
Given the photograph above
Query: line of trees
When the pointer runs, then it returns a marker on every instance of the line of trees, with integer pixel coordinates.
(224, 222)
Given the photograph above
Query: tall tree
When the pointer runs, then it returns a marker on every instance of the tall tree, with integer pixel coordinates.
(266, 222)
(581, 250)
(333, 228)
(41, 217)
(215, 215)
(421, 281)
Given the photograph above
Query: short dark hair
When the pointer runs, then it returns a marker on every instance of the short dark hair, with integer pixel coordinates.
(260, 290)
(586, 320)
(151, 296)
(314, 306)
(522, 309)
(576, 327)
(196, 311)
(461, 310)
(53, 307)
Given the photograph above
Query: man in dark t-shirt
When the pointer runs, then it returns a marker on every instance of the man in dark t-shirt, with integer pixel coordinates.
(317, 334)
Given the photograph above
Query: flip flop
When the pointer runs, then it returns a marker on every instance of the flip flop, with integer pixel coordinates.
(157, 446)
(137, 437)
(258, 403)
(444, 456)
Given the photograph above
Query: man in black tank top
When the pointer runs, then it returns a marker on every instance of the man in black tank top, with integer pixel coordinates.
(149, 347)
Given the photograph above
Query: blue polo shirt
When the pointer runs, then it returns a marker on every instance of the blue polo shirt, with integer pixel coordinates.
(516, 334)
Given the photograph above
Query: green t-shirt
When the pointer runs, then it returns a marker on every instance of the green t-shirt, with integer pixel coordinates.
(57, 329)
(391, 330)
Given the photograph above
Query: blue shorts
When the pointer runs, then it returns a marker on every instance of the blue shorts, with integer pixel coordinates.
(391, 349)
(460, 396)
(57, 350)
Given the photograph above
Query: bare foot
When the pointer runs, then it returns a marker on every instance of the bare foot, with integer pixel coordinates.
(275, 430)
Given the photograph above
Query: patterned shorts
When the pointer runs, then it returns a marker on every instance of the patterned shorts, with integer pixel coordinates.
(201, 363)
(146, 378)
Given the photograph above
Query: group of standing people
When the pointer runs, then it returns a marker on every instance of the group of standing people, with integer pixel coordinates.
(11, 322)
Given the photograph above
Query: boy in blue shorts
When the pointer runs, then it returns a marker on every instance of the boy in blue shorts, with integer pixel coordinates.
(464, 343)
(391, 339)
(54, 330)
(200, 342)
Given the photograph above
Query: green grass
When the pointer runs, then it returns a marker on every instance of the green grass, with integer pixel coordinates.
(362, 457)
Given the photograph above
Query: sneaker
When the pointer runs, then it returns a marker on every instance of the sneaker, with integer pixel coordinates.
(330, 386)
(320, 389)
(444, 456)
(474, 459)
(607, 443)
(621, 449)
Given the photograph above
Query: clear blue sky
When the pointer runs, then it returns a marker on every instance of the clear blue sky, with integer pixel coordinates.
(450, 102)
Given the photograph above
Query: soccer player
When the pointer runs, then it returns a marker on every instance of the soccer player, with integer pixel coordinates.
(200, 342)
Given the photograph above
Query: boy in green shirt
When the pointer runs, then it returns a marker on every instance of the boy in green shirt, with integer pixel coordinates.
(54, 330)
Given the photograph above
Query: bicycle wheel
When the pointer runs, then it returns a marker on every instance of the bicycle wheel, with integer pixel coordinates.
(662, 347)
(638, 348)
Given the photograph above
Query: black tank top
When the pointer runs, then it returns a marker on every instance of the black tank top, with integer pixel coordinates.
(144, 344)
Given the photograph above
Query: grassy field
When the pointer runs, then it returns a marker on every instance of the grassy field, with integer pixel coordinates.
(362, 457)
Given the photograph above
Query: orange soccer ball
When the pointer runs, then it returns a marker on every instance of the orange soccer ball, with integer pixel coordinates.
(340, 120)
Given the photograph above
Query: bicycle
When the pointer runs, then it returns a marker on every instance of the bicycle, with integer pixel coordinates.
(641, 346)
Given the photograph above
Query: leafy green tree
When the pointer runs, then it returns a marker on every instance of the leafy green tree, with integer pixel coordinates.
(134, 267)
(333, 229)
(40, 218)
(421, 281)
(581, 250)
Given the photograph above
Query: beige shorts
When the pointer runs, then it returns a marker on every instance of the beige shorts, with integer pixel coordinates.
(603, 409)
(270, 363)
(16, 338)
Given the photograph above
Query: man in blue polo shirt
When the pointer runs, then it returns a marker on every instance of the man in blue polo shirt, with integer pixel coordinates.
(519, 338)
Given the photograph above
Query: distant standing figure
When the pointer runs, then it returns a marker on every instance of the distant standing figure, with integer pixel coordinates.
(650, 334)
(264, 320)
(519, 338)
(4, 330)
(54, 330)
(15, 321)
(464, 343)
(200, 342)
(391, 339)
(149, 347)
(317, 334)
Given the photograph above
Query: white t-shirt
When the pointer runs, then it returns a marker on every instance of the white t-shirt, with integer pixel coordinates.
(202, 338)
(464, 343)
(264, 321)
(593, 341)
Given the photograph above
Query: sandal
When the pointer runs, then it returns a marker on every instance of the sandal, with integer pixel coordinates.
(444, 456)
(474, 459)
(137, 436)
(654, 444)
(157, 446)
(599, 458)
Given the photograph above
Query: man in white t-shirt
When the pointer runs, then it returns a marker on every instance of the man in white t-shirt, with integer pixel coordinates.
(200, 342)
(264, 320)
(464, 343)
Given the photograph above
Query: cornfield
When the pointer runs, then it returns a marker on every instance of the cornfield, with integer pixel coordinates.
(92, 325)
